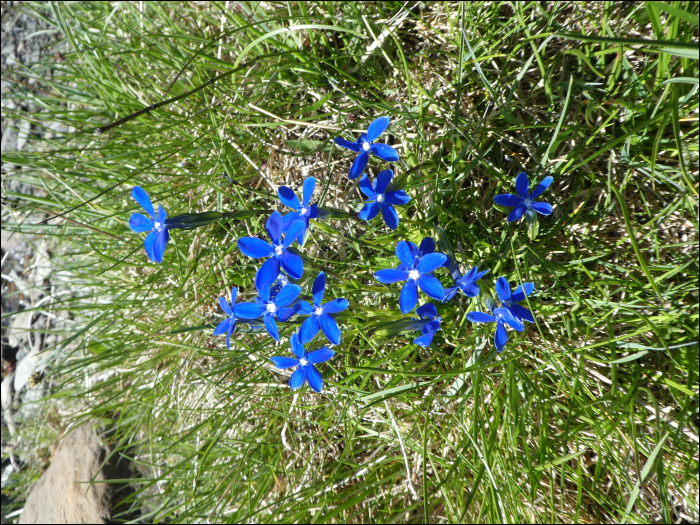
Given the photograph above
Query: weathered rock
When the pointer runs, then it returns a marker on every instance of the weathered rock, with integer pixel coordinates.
(62, 495)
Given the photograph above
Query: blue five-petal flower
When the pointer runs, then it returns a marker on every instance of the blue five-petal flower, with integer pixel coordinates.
(380, 199)
(302, 210)
(427, 246)
(277, 251)
(501, 316)
(510, 301)
(429, 313)
(306, 371)
(365, 145)
(270, 307)
(524, 201)
(157, 240)
(416, 273)
(467, 284)
(321, 314)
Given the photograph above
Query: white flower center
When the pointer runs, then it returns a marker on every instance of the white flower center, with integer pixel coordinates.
(527, 202)
(303, 211)
(271, 308)
(279, 250)
(303, 362)
(380, 198)
(365, 146)
(156, 225)
(318, 311)
(413, 274)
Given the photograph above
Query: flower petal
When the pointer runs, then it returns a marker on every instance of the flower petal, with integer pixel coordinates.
(288, 198)
(397, 198)
(369, 211)
(354, 146)
(284, 314)
(543, 208)
(140, 196)
(522, 184)
(431, 286)
(507, 199)
(298, 378)
(330, 328)
(408, 297)
(312, 212)
(521, 291)
(284, 362)
(292, 264)
(424, 340)
(366, 187)
(383, 180)
(308, 191)
(385, 152)
(222, 327)
(271, 326)
(267, 273)
(427, 311)
(162, 215)
(159, 246)
(320, 356)
(148, 243)
(377, 127)
(255, 248)
(500, 337)
(305, 308)
(294, 234)
(480, 317)
(450, 293)
(521, 313)
(390, 276)
(391, 218)
(231, 328)
(335, 306)
(249, 310)
(314, 378)
(427, 245)
(225, 306)
(288, 219)
(503, 289)
(286, 295)
(508, 317)
(471, 290)
(359, 165)
(318, 287)
(297, 347)
(516, 213)
(139, 223)
(405, 255)
(309, 329)
(274, 227)
(234, 293)
(431, 262)
(539, 189)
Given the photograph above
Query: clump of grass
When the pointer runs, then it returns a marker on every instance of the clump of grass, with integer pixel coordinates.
(591, 414)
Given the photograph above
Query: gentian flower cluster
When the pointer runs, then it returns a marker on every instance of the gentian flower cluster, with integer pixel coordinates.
(364, 145)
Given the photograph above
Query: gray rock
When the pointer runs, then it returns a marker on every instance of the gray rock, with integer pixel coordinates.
(61, 494)
(25, 368)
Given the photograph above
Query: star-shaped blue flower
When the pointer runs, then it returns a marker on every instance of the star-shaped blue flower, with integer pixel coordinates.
(429, 313)
(321, 315)
(416, 273)
(157, 240)
(501, 316)
(524, 201)
(380, 199)
(467, 284)
(270, 306)
(306, 371)
(277, 251)
(365, 145)
(510, 300)
(426, 247)
(302, 210)
(233, 311)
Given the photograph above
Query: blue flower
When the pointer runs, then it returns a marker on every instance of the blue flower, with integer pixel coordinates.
(320, 315)
(277, 251)
(501, 316)
(365, 145)
(228, 325)
(380, 199)
(306, 371)
(510, 301)
(416, 273)
(524, 202)
(302, 210)
(270, 306)
(428, 312)
(467, 284)
(427, 246)
(157, 240)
